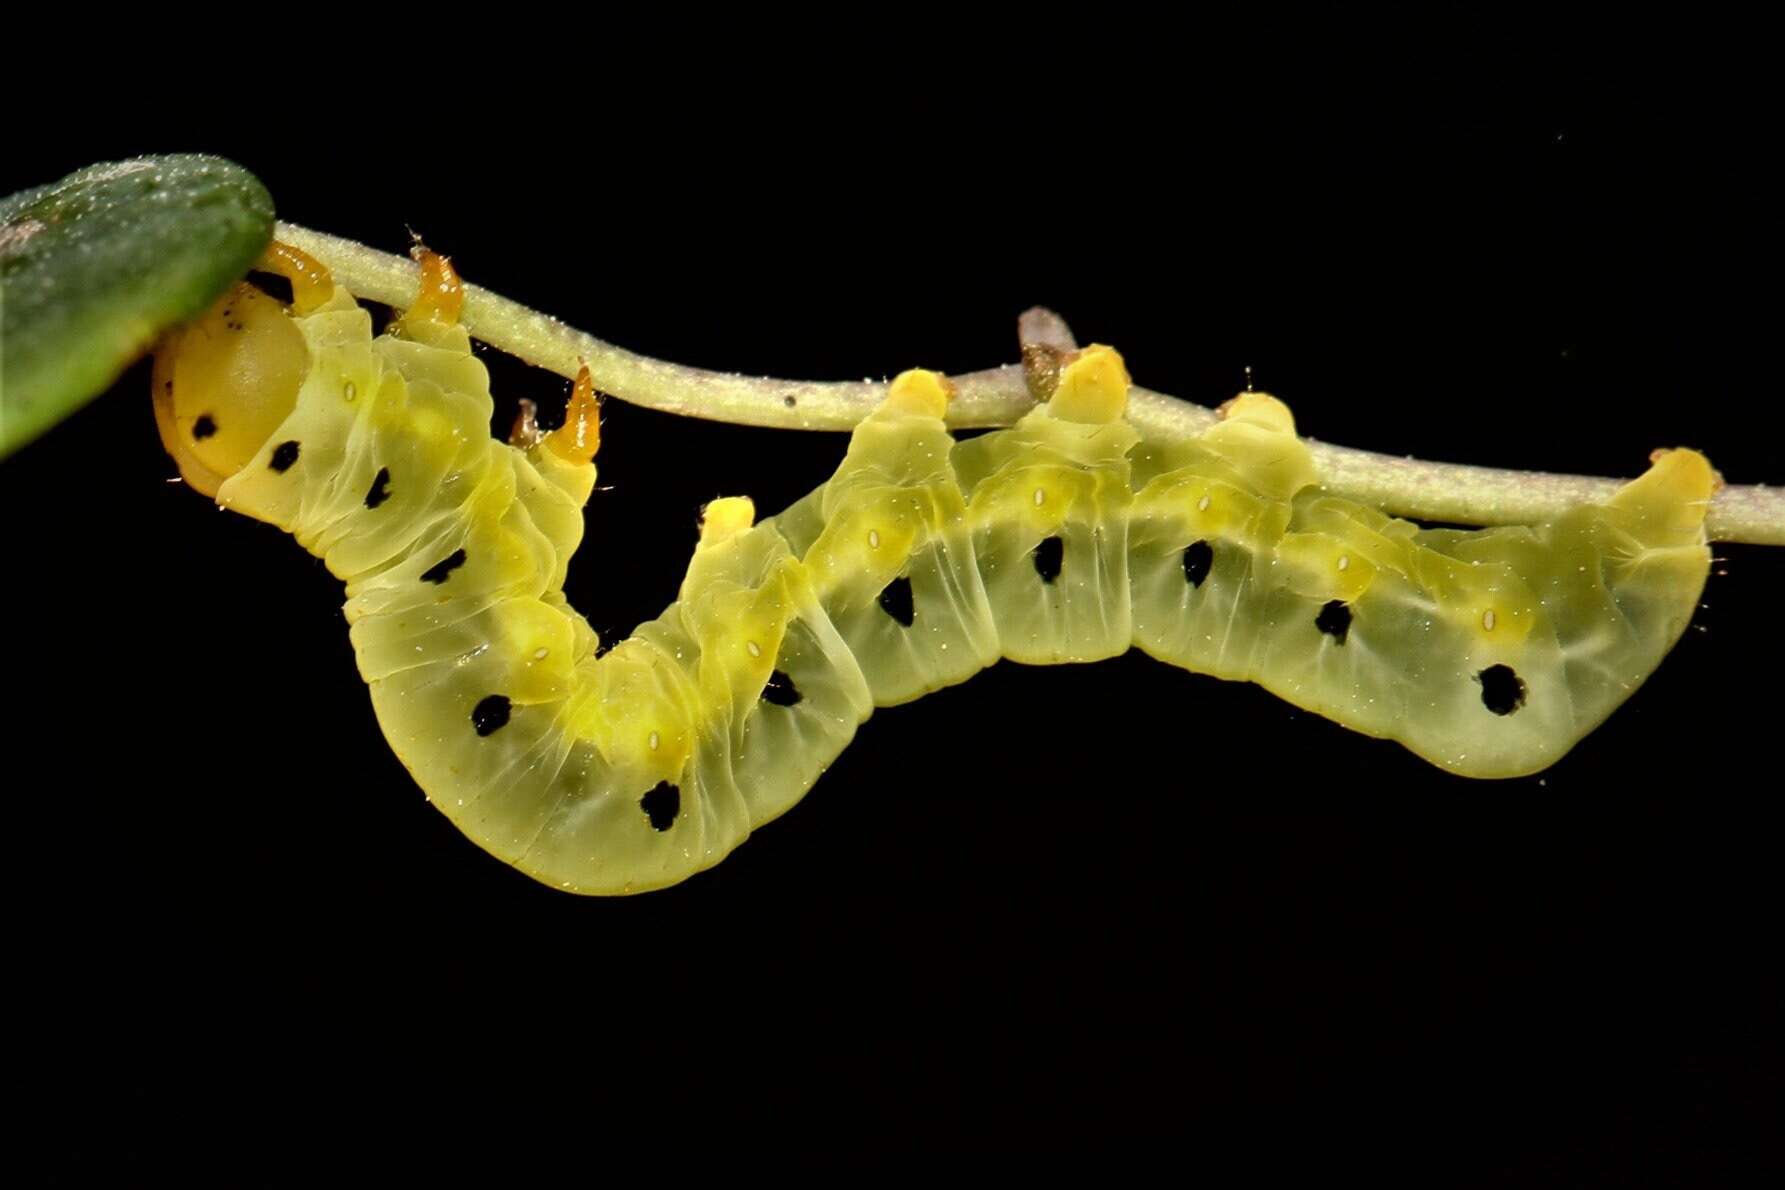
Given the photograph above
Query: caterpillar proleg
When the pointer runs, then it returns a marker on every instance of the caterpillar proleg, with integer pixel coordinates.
(1069, 536)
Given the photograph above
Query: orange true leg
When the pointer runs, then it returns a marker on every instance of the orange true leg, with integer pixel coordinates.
(442, 294)
(578, 439)
(311, 283)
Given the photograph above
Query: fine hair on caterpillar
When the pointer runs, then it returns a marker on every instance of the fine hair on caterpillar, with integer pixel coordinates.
(1070, 536)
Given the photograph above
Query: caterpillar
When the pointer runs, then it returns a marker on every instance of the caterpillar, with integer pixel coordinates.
(1067, 537)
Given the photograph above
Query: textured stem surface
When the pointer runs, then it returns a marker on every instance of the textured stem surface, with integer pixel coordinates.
(997, 397)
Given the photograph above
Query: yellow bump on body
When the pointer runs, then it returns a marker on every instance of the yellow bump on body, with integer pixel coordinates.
(1258, 409)
(311, 282)
(442, 294)
(1040, 497)
(579, 438)
(725, 518)
(1487, 620)
(873, 539)
(1093, 388)
(921, 392)
(1256, 435)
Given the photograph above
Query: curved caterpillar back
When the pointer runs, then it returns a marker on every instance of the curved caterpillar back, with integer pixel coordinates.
(1066, 537)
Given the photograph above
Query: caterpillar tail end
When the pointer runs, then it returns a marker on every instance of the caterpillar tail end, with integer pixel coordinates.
(1666, 505)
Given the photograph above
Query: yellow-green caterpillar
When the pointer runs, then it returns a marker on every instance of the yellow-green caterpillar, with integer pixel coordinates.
(1066, 537)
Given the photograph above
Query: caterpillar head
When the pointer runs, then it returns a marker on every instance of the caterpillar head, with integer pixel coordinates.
(224, 382)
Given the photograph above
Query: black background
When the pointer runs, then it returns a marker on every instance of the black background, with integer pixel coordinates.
(1048, 905)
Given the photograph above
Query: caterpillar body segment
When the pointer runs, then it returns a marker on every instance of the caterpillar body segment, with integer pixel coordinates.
(1048, 505)
(888, 545)
(771, 664)
(1066, 537)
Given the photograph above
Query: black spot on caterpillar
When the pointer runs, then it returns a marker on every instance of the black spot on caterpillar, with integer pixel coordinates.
(895, 601)
(781, 691)
(911, 569)
(1502, 691)
(380, 490)
(490, 714)
(442, 570)
(284, 455)
(1334, 620)
(1198, 557)
(661, 805)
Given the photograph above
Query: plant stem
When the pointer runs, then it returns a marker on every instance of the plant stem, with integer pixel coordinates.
(997, 397)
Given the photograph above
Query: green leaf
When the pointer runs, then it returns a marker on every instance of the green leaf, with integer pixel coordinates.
(95, 267)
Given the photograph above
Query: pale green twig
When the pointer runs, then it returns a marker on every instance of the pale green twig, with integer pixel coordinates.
(996, 397)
